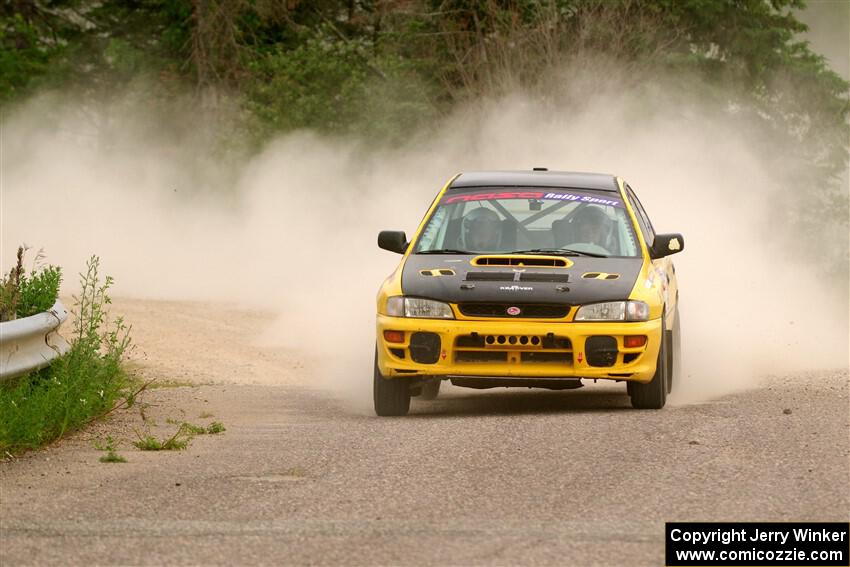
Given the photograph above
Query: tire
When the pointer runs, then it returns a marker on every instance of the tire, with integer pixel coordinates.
(430, 390)
(391, 395)
(653, 395)
(674, 353)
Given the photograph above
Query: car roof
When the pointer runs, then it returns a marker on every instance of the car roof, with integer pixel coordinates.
(537, 178)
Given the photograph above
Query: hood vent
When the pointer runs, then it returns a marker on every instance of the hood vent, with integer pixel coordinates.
(544, 278)
(490, 276)
(547, 261)
(437, 272)
(518, 276)
(600, 276)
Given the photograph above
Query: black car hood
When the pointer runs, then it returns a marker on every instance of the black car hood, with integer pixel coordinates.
(454, 279)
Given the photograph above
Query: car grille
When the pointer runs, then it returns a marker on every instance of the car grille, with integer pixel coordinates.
(525, 349)
(527, 310)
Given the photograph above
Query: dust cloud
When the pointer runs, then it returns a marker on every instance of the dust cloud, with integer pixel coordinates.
(292, 229)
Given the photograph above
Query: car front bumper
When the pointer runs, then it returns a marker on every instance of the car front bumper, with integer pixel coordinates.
(517, 349)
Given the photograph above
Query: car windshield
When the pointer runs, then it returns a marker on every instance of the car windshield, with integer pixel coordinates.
(530, 220)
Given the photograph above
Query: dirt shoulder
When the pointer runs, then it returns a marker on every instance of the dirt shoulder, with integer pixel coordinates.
(193, 342)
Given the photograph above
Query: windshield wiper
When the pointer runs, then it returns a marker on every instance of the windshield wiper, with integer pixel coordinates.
(445, 251)
(559, 252)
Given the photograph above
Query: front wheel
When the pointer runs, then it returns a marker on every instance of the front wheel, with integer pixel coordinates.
(653, 395)
(391, 395)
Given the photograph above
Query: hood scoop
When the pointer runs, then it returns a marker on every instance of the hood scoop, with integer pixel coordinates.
(535, 261)
(518, 276)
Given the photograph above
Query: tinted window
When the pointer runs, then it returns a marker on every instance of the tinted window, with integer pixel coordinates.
(643, 218)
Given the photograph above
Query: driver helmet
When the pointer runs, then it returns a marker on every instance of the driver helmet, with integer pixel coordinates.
(481, 230)
(591, 226)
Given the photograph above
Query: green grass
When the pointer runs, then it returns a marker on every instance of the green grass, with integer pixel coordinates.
(215, 427)
(80, 386)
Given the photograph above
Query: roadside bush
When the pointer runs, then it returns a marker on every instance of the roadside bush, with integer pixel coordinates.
(10, 287)
(22, 295)
(39, 291)
(86, 383)
(333, 84)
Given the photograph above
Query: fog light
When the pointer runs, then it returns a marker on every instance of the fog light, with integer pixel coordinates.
(394, 336)
(634, 341)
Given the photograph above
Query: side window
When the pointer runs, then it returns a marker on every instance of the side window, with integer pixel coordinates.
(643, 218)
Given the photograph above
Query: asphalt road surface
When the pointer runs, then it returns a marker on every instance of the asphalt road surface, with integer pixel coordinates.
(499, 477)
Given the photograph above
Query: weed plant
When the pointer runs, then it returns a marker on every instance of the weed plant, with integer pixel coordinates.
(178, 441)
(193, 429)
(111, 448)
(84, 384)
(181, 438)
(211, 429)
(151, 443)
(112, 457)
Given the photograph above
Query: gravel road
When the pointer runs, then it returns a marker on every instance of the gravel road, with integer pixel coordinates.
(499, 477)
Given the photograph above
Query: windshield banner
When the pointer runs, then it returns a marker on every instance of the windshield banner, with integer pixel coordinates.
(534, 194)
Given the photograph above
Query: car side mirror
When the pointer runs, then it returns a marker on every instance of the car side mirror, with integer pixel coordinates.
(666, 244)
(393, 240)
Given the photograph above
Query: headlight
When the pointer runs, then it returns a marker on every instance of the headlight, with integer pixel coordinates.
(418, 308)
(614, 311)
(395, 306)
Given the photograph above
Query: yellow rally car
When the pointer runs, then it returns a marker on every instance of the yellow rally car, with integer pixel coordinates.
(529, 279)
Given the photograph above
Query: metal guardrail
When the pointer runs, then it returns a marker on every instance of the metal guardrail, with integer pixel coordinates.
(32, 342)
